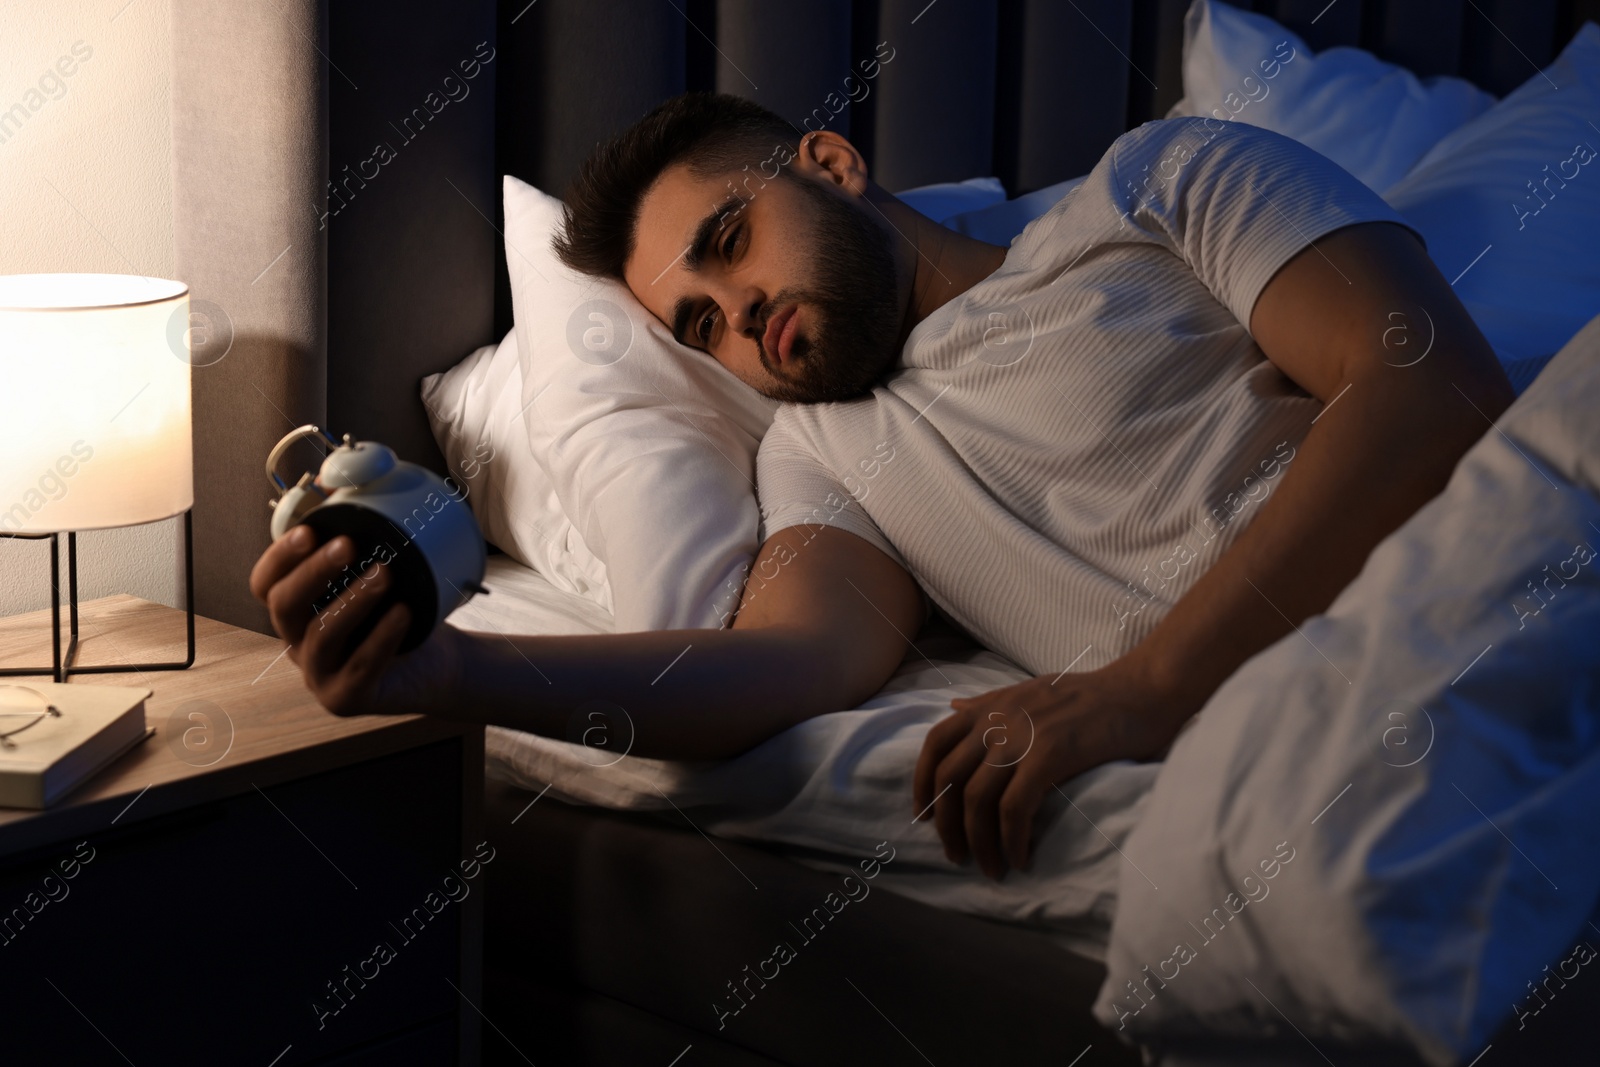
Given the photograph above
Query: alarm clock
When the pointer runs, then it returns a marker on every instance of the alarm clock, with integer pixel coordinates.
(398, 515)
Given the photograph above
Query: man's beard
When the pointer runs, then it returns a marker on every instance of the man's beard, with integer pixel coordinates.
(852, 326)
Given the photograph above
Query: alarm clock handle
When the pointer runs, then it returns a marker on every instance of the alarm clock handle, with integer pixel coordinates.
(296, 434)
(293, 502)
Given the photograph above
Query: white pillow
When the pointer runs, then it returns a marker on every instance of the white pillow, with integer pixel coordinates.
(1372, 118)
(475, 409)
(1538, 279)
(650, 445)
(1382, 827)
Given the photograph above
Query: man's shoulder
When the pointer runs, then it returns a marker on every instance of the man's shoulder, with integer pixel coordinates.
(1167, 130)
(790, 430)
(1127, 162)
(781, 431)
(1148, 144)
(803, 430)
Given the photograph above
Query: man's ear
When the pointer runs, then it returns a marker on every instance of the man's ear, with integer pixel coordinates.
(826, 156)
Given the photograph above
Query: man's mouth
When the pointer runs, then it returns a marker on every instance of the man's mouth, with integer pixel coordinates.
(780, 333)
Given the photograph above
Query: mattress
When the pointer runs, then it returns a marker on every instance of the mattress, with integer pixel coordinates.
(835, 791)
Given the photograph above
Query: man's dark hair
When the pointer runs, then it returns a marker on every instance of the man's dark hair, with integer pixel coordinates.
(711, 133)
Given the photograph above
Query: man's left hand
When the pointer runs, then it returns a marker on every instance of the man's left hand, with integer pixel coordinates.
(986, 769)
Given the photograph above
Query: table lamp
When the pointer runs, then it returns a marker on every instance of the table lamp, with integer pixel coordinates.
(94, 424)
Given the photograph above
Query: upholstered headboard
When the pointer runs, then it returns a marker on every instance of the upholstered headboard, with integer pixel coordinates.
(336, 165)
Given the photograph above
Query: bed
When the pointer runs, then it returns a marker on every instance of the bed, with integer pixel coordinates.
(337, 279)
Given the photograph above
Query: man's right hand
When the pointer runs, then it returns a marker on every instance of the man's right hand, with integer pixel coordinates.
(293, 573)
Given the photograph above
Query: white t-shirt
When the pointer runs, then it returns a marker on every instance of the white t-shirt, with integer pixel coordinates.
(1067, 446)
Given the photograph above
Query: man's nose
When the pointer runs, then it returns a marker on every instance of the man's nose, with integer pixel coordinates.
(744, 311)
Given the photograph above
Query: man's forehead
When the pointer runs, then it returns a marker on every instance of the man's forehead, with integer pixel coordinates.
(669, 213)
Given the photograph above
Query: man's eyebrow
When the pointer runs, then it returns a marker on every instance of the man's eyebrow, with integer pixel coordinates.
(696, 254)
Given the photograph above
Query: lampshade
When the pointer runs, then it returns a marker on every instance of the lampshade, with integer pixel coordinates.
(94, 401)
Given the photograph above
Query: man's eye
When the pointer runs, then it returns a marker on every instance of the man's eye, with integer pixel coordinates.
(729, 243)
(703, 331)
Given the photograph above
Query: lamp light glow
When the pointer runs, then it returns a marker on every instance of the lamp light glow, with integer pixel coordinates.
(94, 402)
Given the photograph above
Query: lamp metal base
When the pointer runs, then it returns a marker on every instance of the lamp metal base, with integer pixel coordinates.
(62, 667)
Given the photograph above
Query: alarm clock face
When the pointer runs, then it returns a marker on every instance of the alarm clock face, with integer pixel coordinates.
(377, 540)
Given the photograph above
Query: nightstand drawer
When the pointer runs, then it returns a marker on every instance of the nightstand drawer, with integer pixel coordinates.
(303, 921)
(426, 1046)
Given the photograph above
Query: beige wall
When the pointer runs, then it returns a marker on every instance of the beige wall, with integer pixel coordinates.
(85, 185)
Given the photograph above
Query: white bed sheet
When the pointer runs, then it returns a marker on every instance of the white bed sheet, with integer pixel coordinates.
(831, 789)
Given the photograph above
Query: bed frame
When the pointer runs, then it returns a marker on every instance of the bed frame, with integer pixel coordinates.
(335, 275)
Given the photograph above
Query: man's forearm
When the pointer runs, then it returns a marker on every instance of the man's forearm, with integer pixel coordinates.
(1376, 455)
(679, 694)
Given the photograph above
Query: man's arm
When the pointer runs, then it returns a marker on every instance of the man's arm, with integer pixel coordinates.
(800, 646)
(1347, 319)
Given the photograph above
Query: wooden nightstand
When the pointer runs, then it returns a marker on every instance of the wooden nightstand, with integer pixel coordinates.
(260, 882)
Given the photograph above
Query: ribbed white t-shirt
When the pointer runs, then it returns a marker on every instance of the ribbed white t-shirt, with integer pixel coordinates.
(1063, 449)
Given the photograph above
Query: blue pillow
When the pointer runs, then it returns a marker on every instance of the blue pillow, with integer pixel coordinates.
(1509, 205)
(945, 199)
(1000, 223)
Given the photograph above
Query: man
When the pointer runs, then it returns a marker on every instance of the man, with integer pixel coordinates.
(1128, 452)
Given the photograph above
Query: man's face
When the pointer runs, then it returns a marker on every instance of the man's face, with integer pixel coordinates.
(792, 288)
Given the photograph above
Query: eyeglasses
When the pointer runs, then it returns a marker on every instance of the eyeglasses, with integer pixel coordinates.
(36, 709)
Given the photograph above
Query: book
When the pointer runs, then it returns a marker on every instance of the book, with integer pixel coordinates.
(52, 757)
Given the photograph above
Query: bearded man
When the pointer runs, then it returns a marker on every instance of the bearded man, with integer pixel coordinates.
(1128, 451)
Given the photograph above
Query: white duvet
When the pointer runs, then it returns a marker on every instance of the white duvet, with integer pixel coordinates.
(1382, 828)
(834, 787)
(1413, 890)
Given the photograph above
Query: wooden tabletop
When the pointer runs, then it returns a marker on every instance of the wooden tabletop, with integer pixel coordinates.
(240, 719)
